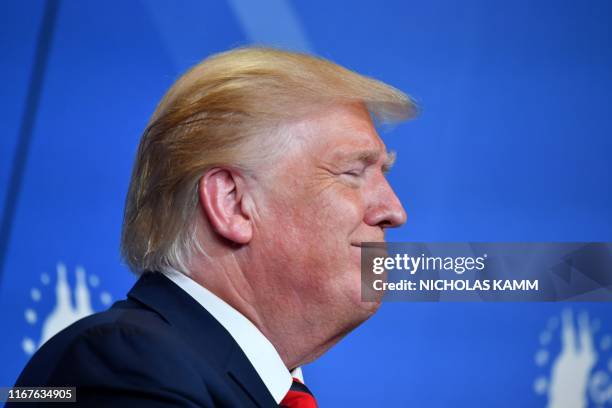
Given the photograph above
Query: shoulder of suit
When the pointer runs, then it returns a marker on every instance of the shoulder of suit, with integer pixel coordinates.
(128, 326)
(121, 350)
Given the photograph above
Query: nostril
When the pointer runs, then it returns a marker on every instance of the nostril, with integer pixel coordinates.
(386, 224)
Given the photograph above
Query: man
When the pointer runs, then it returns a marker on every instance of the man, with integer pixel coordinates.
(256, 180)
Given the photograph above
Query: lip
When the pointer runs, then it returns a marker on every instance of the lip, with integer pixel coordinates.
(360, 244)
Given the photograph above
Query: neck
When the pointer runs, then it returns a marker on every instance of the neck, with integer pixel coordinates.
(277, 315)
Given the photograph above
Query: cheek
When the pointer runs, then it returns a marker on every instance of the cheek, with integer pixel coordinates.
(312, 220)
(342, 211)
(321, 206)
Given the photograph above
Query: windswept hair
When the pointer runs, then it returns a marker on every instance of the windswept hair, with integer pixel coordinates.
(216, 114)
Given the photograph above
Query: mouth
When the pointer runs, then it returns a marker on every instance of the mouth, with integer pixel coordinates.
(371, 241)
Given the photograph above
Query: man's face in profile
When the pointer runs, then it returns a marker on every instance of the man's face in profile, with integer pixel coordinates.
(326, 195)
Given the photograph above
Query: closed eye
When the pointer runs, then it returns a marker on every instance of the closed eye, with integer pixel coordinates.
(354, 173)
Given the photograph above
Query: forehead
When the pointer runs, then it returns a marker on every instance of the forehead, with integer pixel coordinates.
(339, 130)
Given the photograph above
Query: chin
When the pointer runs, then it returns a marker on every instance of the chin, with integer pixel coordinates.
(359, 315)
(372, 307)
(363, 310)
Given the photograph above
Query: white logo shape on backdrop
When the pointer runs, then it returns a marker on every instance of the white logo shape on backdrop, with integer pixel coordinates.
(64, 312)
(573, 382)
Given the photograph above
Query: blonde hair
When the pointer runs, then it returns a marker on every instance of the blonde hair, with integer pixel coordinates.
(212, 116)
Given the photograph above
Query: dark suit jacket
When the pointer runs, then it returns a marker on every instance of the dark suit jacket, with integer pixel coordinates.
(158, 348)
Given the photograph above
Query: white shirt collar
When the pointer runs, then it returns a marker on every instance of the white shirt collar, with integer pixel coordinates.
(258, 349)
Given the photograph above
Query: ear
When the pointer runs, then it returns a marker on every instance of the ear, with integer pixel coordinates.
(220, 193)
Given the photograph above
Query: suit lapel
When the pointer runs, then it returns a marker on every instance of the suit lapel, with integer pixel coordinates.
(243, 373)
(201, 330)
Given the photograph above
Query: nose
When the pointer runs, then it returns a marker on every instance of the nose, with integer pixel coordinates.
(385, 209)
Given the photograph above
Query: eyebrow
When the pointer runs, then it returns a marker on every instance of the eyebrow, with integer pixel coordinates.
(371, 157)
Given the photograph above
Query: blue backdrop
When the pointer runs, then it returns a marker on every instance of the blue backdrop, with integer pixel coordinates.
(513, 143)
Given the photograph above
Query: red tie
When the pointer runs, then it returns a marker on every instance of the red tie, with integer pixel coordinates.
(298, 397)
